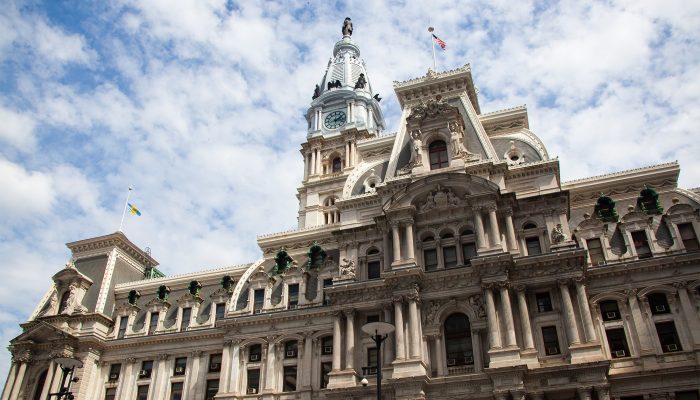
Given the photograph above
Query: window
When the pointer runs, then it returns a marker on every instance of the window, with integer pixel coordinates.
(142, 392)
(258, 300)
(146, 368)
(690, 240)
(449, 256)
(220, 311)
(255, 353)
(326, 368)
(658, 303)
(212, 389)
(372, 318)
(468, 252)
(373, 270)
(290, 349)
(550, 340)
(438, 154)
(617, 343)
(668, 337)
(290, 378)
(153, 323)
(176, 391)
(186, 315)
(337, 164)
(533, 246)
(458, 342)
(430, 258)
(180, 366)
(609, 310)
(326, 283)
(595, 251)
(293, 295)
(215, 362)
(544, 302)
(253, 381)
(123, 322)
(372, 360)
(327, 345)
(110, 393)
(641, 244)
(114, 371)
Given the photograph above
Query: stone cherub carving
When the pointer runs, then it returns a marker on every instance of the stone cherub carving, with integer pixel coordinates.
(558, 235)
(347, 269)
(347, 27)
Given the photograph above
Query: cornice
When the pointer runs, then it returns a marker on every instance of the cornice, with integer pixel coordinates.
(667, 171)
(655, 263)
(431, 76)
(176, 280)
(117, 239)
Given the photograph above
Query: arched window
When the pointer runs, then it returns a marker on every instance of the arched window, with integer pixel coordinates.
(337, 164)
(458, 342)
(438, 154)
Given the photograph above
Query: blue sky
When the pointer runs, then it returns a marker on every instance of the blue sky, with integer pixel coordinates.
(199, 106)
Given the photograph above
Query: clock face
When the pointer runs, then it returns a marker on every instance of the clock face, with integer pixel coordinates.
(334, 120)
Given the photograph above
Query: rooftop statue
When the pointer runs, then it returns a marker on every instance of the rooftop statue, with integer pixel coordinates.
(347, 27)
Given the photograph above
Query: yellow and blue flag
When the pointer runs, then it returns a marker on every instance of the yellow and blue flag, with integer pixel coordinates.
(134, 210)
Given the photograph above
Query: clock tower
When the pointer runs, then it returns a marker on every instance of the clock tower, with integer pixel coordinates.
(344, 109)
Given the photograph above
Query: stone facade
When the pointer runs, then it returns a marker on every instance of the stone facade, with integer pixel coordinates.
(501, 280)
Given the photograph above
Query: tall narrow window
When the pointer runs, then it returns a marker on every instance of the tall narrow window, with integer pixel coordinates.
(110, 393)
(215, 362)
(668, 337)
(550, 340)
(372, 362)
(617, 343)
(430, 258)
(293, 295)
(449, 256)
(212, 389)
(180, 366)
(326, 284)
(595, 251)
(641, 244)
(176, 391)
(544, 302)
(142, 392)
(114, 371)
(290, 349)
(327, 345)
(609, 310)
(533, 246)
(658, 303)
(468, 252)
(458, 342)
(255, 353)
(258, 300)
(290, 378)
(373, 268)
(153, 323)
(690, 240)
(326, 369)
(438, 154)
(337, 164)
(146, 369)
(253, 381)
(123, 322)
(186, 315)
(220, 311)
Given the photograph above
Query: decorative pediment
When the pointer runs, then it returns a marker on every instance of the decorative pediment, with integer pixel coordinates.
(43, 332)
(188, 299)
(157, 304)
(294, 271)
(433, 192)
(591, 224)
(680, 209)
(220, 294)
(260, 276)
(127, 308)
(71, 276)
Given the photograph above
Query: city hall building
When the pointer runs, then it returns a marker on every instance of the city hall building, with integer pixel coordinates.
(502, 281)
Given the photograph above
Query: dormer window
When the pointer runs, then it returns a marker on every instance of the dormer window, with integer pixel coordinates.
(690, 240)
(641, 244)
(293, 295)
(438, 155)
(258, 300)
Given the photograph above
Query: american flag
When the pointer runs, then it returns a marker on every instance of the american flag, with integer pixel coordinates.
(439, 41)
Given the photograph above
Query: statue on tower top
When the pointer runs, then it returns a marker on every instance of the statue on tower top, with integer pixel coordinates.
(347, 27)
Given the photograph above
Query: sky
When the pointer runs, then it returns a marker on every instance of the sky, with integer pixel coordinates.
(199, 106)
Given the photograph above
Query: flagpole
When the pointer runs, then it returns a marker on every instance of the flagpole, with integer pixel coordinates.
(432, 43)
(124, 212)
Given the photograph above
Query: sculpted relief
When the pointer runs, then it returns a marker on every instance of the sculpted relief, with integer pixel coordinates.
(440, 198)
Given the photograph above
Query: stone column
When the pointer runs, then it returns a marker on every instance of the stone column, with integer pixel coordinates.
(126, 377)
(645, 343)
(350, 339)
(19, 379)
(414, 328)
(313, 162)
(479, 226)
(495, 233)
(508, 316)
(397, 241)
(306, 366)
(409, 241)
(585, 309)
(234, 367)
(336, 341)
(584, 393)
(494, 334)
(10, 380)
(439, 351)
(569, 316)
(438, 251)
(225, 375)
(160, 375)
(270, 364)
(689, 313)
(347, 154)
(525, 318)
(398, 319)
(49, 379)
(603, 392)
(510, 231)
(389, 343)
(477, 351)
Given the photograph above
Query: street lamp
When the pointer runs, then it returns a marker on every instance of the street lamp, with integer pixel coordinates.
(68, 366)
(377, 331)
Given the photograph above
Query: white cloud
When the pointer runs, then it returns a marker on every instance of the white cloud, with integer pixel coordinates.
(17, 129)
(26, 193)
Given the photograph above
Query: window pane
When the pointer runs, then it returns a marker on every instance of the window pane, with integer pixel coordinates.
(214, 362)
(372, 357)
(533, 246)
(544, 302)
(253, 381)
(658, 303)
(617, 343)
(373, 270)
(327, 343)
(186, 314)
(114, 371)
(259, 299)
(437, 154)
(220, 311)
(430, 257)
(180, 366)
(668, 337)
(142, 392)
(468, 252)
(290, 349)
(326, 368)
(609, 310)
(458, 342)
(550, 339)
(290, 378)
(123, 321)
(110, 393)
(449, 254)
(176, 391)
(690, 240)
(595, 251)
(212, 389)
(641, 244)
(254, 353)
(153, 323)
(294, 294)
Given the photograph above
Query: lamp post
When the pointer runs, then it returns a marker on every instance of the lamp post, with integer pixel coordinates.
(377, 331)
(68, 366)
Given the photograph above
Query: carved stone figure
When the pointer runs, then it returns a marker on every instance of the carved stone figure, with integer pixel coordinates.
(72, 300)
(417, 146)
(317, 92)
(429, 202)
(457, 140)
(558, 235)
(452, 199)
(361, 82)
(432, 312)
(347, 269)
(347, 27)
